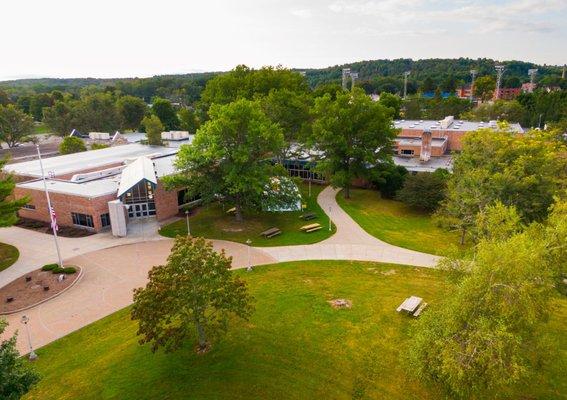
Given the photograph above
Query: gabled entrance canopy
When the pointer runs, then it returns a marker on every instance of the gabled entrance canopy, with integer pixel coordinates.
(141, 169)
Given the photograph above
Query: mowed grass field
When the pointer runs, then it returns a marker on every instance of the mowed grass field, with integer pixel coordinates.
(212, 222)
(395, 223)
(8, 255)
(296, 346)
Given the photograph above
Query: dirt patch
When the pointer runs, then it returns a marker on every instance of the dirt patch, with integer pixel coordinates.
(30, 289)
(232, 229)
(389, 272)
(340, 303)
(45, 227)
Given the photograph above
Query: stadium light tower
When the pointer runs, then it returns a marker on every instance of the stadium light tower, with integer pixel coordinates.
(499, 72)
(354, 77)
(532, 74)
(346, 74)
(473, 75)
(406, 74)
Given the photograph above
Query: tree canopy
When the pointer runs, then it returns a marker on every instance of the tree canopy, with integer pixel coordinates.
(72, 144)
(154, 128)
(193, 294)
(132, 110)
(231, 156)
(15, 125)
(352, 133)
(8, 206)
(163, 109)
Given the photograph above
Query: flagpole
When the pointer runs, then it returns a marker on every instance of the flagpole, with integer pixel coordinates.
(49, 208)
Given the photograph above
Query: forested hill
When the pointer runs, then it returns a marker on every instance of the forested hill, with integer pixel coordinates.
(374, 76)
(436, 68)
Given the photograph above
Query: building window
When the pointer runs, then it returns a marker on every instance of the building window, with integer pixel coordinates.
(407, 152)
(105, 220)
(82, 220)
(29, 206)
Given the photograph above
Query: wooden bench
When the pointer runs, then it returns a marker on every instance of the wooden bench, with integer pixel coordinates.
(270, 233)
(310, 228)
(308, 216)
(420, 309)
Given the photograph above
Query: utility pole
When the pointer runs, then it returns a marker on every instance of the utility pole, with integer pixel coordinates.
(406, 74)
(532, 74)
(499, 72)
(346, 74)
(473, 75)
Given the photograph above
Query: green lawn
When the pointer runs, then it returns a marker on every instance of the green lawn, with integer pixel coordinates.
(397, 224)
(8, 255)
(212, 222)
(294, 347)
(41, 128)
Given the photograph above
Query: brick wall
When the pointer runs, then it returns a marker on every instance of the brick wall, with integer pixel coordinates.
(63, 205)
(166, 203)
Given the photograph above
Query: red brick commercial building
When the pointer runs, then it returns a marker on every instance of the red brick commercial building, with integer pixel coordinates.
(425, 145)
(86, 187)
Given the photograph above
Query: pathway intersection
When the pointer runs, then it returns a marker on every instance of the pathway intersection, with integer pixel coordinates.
(113, 267)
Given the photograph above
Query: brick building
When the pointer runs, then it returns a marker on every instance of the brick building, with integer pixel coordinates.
(99, 189)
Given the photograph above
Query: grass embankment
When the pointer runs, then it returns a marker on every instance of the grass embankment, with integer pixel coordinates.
(296, 346)
(395, 223)
(8, 255)
(211, 221)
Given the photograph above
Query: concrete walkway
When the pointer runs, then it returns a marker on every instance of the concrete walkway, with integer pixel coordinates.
(350, 242)
(113, 267)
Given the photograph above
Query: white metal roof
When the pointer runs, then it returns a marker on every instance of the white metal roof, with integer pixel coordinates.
(66, 164)
(137, 171)
(457, 125)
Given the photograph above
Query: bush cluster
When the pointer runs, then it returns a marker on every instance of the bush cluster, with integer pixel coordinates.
(56, 269)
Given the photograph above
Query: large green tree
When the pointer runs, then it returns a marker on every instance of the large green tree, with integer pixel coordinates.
(154, 128)
(163, 109)
(231, 156)
(484, 87)
(8, 206)
(59, 118)
(188, 119)
(352, 133)
(245, 83)
(488, 337)
(521, 170)
(14, 125)
(132, 110)
(37, 103)
(96, 113)
(424, 190)
(16, 377)
(193, 294)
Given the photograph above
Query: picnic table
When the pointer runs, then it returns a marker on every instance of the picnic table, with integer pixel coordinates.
(308, 216)
(270, 233)
(412, 305)
(310, 228)
(231, 210)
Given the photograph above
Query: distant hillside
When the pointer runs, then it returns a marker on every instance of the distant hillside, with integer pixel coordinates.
(374, 76)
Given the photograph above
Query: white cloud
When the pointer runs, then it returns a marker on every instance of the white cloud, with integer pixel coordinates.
(304, 13)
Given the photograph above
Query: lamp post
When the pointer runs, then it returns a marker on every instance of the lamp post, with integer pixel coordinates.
(330, 223)
(25, 320)
(187, 219)
(249, 267)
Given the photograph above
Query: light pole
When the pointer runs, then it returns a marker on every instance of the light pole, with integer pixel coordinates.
(187, 219)
(330, 223)
(249, 267)
(25, 320)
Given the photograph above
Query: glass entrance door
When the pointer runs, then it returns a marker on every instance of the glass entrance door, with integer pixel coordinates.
(138, 210)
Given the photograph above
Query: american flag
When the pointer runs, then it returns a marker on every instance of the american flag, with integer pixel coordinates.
(54, 225)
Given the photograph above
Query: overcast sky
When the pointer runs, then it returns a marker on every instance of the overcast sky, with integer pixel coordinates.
(126, 38)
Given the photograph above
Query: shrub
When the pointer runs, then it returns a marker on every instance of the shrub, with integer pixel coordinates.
(98, 146)
(69, 270)
(72, 144)
(424, 190)
(49, 267)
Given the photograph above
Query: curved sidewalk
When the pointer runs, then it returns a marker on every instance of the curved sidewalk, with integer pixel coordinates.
(350, 242)
(114, 267)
